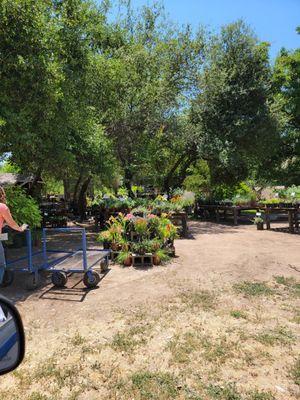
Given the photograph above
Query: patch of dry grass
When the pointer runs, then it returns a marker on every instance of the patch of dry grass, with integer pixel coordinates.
(280, 335)
(198, 299)
(186, 347)
(295, 372)
(251, 289)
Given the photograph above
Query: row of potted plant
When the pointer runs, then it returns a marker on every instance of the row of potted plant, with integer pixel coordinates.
(129, 234)
(141, 206)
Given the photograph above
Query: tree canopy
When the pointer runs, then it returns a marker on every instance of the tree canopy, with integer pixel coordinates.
(140, 100)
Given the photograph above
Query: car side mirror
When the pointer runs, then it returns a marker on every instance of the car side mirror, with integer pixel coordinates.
(12, 338)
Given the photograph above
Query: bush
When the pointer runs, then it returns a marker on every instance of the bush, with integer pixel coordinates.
(24, 209)
(291, 193)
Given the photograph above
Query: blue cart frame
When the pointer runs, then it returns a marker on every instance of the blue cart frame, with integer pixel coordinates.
(59, 274)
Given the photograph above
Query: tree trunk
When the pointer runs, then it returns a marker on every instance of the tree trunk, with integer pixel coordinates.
(67, 194)
(167, 180)
(35, 190)
(128, 181)
(76, 188)
(183, 173)
(82, 198)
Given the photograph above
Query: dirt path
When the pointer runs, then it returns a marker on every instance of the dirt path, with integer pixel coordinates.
(209, 263)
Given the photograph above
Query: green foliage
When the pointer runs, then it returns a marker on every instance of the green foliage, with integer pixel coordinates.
(231, 111)
(105, 236)
(154, 385)
(258, 220)
(139, 102)
(123, 256)
(291, 193)
(253, 288)
(162, 255)
(52, 186)
(8, 167)
(286, 89)
(295, 372)
(142, 247)
(271, 201)
(238, 314)
(23, 208)
(198, 179)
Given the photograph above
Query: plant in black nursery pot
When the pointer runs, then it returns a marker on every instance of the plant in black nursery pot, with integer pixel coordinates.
(259, 222)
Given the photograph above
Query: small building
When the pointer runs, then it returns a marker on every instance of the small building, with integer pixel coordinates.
(25, 181)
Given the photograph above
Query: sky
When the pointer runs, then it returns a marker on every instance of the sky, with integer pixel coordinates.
(273, 21)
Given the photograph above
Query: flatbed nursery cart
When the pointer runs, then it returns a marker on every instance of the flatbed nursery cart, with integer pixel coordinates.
(82, 260)
(26, 264)
(60, 258)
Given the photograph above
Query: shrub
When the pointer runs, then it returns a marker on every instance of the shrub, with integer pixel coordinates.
(24, 209)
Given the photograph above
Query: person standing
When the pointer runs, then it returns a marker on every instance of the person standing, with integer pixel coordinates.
(6, 217)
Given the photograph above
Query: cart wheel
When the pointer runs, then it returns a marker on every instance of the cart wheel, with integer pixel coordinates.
(8, 278)
(103, 265)
(59, 278)
(32, 282)
(91, 279)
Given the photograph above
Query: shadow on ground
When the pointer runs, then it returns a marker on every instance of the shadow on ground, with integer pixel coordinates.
(210, 228)
(75, 291)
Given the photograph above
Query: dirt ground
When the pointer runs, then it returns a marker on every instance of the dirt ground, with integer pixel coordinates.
(221, 321)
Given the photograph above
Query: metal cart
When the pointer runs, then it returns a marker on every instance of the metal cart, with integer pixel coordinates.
(59, 262)
(82, 260)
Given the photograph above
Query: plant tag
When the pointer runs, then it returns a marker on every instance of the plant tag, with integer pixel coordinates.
(3, 236)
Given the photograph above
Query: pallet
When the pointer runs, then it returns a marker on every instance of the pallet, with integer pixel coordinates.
(114, 255)
(145, 260)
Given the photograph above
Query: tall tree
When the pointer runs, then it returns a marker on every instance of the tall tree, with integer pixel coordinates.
(153, 70)
(30, 80)
(236, 126)
(286, 86)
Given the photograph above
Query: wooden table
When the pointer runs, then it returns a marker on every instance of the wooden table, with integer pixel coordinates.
(234, 210)
(292, 213)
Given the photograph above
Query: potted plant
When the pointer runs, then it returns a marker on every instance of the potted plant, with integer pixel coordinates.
(116, 229)
(259, 222)
(139, 211)
(105, 238)
(156, 244)
(125, 258)
(160, 256)
(141, 227)
(142, 247)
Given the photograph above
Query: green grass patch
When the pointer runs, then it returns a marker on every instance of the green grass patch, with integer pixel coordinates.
(181, 348)
(238, 314)
(227, 392)
(230, 392)
(257, 395)
(251, 289)
(126, 342)
(199, 299)
(290, 283)
(38, 396)
(282, 280)
(77, 339)
(65, 376)
(280, 335)
(295, 372)
(154, 385)
(217, 350)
